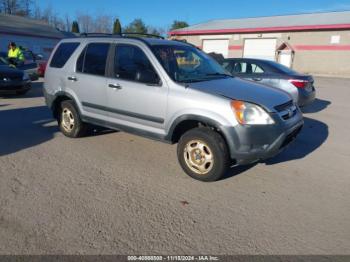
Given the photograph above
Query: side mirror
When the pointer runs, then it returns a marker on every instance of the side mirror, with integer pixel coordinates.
(148, 77)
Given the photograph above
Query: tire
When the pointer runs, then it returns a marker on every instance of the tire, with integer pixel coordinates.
(203, 154)
(69, 120)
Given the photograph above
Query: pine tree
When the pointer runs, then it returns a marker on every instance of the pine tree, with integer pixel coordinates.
(117, 28)
(75, 27)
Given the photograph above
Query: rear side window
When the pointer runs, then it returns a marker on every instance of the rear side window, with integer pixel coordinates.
(93, 59)
(246, 68)
(62, 54)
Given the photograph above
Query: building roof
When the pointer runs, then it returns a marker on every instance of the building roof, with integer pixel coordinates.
(16, 25)
(300, 22)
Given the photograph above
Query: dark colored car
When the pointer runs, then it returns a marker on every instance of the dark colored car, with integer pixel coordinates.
(13, 81)
(299, 86)
(29, 66)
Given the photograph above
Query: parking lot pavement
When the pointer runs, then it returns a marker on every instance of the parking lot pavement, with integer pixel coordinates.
(115, 193)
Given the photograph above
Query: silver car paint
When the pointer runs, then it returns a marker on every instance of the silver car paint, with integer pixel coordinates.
(169, 102)
(175, 99)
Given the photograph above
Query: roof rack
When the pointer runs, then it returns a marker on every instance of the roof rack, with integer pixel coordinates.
(120, 35)
(143, 34)
(97, 34)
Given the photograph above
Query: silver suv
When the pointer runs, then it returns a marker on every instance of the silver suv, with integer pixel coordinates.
(172, 92)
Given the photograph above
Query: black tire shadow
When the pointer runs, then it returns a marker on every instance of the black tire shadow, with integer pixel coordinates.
(237, 170)
(317, 106)
(94, 130)
(312, 136)
(24, 128)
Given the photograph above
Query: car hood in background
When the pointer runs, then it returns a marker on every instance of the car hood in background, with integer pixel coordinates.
(6, 71)
(239, 89)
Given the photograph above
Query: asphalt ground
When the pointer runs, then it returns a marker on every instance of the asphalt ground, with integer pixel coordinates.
(115, 193)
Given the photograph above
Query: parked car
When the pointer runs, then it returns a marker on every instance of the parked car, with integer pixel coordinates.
(38, 59)
(138, 85)
(42, 68)
(13, 81)
(299, 86)
(30, 67)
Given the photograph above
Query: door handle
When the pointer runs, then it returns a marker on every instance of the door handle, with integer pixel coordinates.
(115, 86)
(72, 78)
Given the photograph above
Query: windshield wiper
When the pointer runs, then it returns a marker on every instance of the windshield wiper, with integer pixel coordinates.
(219, 74)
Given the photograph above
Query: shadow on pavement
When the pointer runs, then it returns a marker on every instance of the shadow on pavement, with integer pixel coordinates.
(312, 136)
(317, 106)
(35, 91)
(237, 170)
(24, 128)
(28, 127)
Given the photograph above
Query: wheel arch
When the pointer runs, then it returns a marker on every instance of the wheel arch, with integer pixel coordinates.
(59, 98)
(187, 122)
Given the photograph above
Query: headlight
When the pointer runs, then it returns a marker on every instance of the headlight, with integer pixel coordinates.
(250, 114)
(25, 76)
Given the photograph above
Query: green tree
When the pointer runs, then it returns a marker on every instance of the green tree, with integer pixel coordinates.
(75, 27)
(136, 26)
(117, 28)
(178, 25)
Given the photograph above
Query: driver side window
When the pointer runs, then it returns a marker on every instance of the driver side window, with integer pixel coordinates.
(132, 64)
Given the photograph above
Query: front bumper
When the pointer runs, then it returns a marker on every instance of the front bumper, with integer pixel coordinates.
(249, 144)
(13, 87)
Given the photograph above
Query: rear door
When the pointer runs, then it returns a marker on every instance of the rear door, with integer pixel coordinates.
(136, 96)
(89, 81)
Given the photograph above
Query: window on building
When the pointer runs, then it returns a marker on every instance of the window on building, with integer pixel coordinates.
(62, 54)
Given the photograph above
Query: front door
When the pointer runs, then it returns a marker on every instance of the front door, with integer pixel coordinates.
(137, 97)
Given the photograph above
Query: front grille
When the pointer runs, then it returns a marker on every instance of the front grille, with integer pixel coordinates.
(289, 114)
(284, 106)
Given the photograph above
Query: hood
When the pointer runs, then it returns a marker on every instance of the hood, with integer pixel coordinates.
(239, 89)
(6, 71)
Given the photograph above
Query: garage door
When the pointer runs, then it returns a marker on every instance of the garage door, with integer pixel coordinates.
(260, 48)
(216, 46)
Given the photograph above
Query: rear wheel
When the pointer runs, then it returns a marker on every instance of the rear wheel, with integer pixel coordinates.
(69, 120)
(203, 154)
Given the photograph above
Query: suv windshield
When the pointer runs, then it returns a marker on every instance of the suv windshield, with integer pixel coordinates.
(186, 64)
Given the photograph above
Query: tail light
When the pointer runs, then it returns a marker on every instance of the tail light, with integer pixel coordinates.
(42, 68)
(299, 83)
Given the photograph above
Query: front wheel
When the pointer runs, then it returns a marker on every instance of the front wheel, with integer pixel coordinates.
(203, 154)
